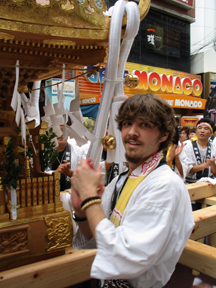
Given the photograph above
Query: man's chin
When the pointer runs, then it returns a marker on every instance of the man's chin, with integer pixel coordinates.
(132, 159)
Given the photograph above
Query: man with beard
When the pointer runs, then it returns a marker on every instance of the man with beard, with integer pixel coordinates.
(142, 222)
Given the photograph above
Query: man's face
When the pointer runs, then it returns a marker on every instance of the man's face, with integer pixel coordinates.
(203, 132)
(183, 136)
(192, 134)
(141, 140)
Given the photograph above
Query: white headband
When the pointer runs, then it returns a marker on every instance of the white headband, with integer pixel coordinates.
(207, 124)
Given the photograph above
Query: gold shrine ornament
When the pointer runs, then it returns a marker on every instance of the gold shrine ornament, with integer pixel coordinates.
(45, 34)
(109, 142)
(131, 81)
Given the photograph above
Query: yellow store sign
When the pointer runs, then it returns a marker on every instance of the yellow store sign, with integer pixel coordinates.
(179, 89)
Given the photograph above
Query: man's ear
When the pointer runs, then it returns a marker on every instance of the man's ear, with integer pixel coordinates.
(164, 137)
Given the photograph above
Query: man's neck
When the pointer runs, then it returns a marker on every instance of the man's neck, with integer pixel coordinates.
(202, 143)
(133, 166)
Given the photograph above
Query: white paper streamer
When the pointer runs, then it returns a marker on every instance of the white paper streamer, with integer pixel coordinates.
(31, 104)
(58, 111)
(78, 127)
(61, 97)
(65, 136)
(57, 130)
(18, 109)
(13, 203)
(79, 139)
(16, 106)
(47, 119)
(57, 120)
(90, 136)
(54, 116)
(75, 103)
(14, 97)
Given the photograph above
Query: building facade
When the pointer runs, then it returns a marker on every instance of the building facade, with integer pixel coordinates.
(203, 44)
(161, 49)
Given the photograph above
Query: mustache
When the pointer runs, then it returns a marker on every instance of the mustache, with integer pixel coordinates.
(132, 138)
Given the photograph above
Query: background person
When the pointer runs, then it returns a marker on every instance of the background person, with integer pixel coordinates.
(67, 160)
(184, 134)
(201, 153)
(192, 133)
(175, 158)
(145, 218)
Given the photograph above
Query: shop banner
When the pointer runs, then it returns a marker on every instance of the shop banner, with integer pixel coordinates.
(185, 102)
(190, 121)
(175, 86)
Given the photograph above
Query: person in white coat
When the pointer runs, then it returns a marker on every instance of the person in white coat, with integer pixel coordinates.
(144, 219)
(201, 153)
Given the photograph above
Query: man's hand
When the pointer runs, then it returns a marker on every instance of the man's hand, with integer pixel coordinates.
(211, 162)
(65, 169)
(86, 183)
(179, 148)
(86, 180)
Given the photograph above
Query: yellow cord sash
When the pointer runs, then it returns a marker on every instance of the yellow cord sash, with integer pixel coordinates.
(134, 180)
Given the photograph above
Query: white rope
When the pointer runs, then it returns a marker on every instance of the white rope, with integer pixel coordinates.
(113, 81)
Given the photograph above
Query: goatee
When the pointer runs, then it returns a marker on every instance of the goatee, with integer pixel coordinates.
(131, 159)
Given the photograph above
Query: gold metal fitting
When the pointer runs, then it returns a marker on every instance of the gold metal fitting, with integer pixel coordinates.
(131, 81)
(109, 142)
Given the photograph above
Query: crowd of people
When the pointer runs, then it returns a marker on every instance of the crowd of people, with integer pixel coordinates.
(141, 221)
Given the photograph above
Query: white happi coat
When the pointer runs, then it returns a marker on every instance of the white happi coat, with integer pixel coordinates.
(191, 158)
(154, 229)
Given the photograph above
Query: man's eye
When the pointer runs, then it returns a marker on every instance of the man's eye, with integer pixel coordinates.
(126, 123)
(145, 125)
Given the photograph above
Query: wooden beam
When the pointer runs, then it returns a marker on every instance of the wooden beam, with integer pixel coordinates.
(7, 131)
(201, 190)
(62, 271)
(208, 201)
(205, 222)
(200, 257)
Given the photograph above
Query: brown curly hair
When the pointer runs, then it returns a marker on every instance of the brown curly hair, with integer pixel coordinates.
(149, 108)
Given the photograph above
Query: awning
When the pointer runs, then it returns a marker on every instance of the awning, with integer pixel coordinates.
(90, 110)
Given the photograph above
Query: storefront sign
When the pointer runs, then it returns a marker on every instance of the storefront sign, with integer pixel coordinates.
(184, 101)
(69, 87)
(168, 83)
(155, 82)
(86, 101)
(68, 92)
(154, 37)
(190, 121)
(180, 89)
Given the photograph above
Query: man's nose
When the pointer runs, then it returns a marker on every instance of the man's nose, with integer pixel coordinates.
(134, 129)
